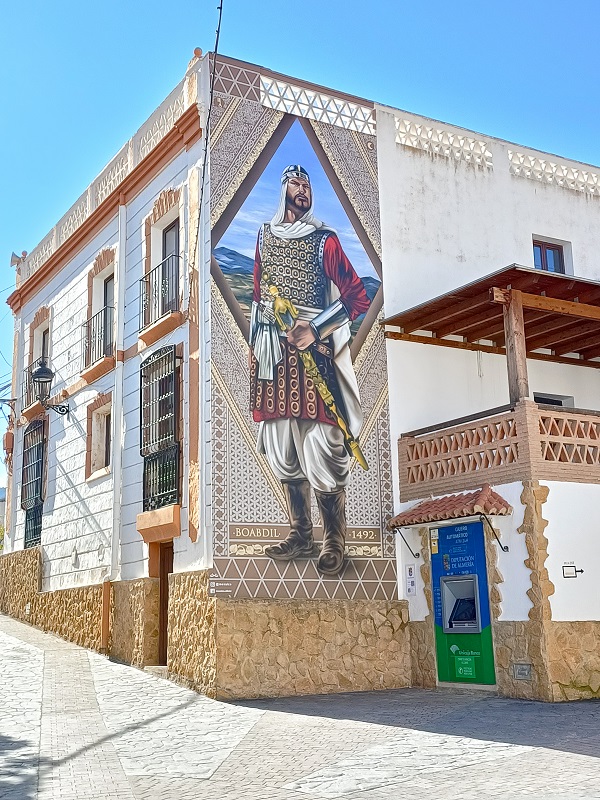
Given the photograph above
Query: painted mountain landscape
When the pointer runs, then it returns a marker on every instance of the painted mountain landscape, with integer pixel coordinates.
(239, 269)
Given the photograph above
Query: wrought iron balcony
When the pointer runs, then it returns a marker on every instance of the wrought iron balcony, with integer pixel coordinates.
(97, 336)
(527, 441)
(161, 478)
(159, 291)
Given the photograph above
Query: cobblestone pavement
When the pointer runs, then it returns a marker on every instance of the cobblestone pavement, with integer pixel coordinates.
(74, 725)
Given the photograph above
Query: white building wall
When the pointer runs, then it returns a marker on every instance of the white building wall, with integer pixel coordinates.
(134, 553)
(77, 513)
(573, 534)
(446, 223)
(78, 519)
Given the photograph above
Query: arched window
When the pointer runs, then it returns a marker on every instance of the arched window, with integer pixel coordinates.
(32, 480)
(159, 435)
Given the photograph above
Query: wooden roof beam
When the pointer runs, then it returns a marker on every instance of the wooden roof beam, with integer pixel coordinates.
(484, 348)
(568, 331)
(443, 315)
(593, 353)
(539, 324)
(582, 337)
(588, 346)
(542, 303)
(461, 327)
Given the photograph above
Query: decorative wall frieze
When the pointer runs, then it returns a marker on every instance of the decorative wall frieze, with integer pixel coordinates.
(545, 170)
(232, 79)
(443, 142)
(239, 132)
(37, 257)
(159, 125)
(112, 176)
(304, 102)
(73, 220)
(353, 157)
(131, 154)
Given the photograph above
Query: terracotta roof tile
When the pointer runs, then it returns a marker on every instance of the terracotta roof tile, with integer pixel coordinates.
(453, 506)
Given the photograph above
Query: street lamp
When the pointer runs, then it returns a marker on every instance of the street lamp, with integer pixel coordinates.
(41, 378)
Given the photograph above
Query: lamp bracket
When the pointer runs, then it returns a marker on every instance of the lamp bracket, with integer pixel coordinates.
(60, 408)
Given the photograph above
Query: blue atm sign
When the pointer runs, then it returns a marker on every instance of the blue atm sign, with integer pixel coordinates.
(461, 605)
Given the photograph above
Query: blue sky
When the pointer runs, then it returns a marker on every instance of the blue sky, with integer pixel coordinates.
(261, 204)
(77, 79)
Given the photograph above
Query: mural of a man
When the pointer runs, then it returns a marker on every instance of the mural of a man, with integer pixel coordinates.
(306, 293)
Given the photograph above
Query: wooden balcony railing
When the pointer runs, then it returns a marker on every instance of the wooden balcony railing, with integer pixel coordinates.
(526, 442)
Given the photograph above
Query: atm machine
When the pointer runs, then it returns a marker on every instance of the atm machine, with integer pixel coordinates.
(463, 633)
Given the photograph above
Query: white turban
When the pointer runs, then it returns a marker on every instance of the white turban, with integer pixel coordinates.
(307, 223)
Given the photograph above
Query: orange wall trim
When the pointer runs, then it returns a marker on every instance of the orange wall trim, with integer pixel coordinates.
(159, 525)
(183, 135)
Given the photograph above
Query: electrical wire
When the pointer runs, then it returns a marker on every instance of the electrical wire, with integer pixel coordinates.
(207, 126)
(5, 359)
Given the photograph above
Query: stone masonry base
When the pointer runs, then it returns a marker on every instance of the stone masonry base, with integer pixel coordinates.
(268, 648)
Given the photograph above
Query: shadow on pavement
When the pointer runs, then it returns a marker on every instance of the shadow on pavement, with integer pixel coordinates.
(18, 769)
(19, 772)
(569, 727)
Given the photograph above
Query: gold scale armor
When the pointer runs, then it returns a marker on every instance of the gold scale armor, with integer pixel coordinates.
(295, 266)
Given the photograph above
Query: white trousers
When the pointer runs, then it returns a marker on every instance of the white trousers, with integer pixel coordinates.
(299, 449)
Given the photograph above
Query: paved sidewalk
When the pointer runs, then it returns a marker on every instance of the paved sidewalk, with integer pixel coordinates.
(74, 725)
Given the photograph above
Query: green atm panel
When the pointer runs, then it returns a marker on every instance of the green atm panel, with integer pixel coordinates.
(463, 633)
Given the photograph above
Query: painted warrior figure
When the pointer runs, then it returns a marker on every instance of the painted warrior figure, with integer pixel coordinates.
(304, 391)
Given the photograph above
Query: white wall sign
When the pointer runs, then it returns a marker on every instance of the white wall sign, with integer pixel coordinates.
(411, 580)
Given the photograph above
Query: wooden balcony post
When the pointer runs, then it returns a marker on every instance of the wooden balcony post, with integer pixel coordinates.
(516, 354)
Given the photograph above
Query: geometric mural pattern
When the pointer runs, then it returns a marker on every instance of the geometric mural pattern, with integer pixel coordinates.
(353, 157)
(236, 80)
(310, 104)
(362, 579)
(235, 147)
(248, 499)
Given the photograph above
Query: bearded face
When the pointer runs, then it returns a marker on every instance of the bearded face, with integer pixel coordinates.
(298, 196)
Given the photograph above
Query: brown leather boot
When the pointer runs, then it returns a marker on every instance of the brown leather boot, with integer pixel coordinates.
(332, 506)
(299, 543)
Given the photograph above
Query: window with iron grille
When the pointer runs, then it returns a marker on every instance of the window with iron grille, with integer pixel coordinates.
(159, 439)
(32, 480)
(33, 526)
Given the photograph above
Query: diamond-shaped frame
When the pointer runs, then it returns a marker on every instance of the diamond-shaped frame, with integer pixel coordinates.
(246, 188)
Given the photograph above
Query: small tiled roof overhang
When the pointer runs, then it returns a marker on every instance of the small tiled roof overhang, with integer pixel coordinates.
(453, 506)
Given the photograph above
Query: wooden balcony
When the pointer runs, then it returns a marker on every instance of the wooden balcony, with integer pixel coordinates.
(526, 441)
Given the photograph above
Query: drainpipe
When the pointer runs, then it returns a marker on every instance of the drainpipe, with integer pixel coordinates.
(118, 417)
(10, 534)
